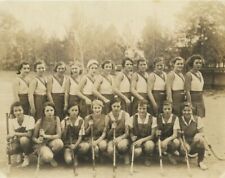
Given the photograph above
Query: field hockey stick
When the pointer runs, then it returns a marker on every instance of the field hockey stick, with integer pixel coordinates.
(114, 149)
(93, 151)
(183, 141)
(160, 152)
(8, 143)
(38, 153)
(73, 157)
(132, 160)
(212, 150)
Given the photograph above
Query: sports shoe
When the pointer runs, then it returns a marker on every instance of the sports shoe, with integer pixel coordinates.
(126, 160)
(171, 159)
(194, 155)
(202, 165)
(18, 158)
(26, 161)
(147, 162)
(53, 163)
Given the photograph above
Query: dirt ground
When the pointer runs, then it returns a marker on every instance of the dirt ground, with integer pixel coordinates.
(214, 129)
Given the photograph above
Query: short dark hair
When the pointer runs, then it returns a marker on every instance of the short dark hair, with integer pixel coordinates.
(125, 60)
(21, 66)
(142, 103)
(174, 60)
(141, 60)
(115, 99)
(60, 63)
(190, 61)
(72, 105)
(15, 104)
(158, 59)
(107, 62)
(36, 64)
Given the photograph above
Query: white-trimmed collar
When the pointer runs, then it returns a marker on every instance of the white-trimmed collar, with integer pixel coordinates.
(145, 121)
(113, 118)
(76, 122)
(191, 120)
(169, 120)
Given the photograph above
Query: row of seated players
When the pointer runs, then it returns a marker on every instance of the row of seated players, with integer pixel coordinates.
(49, 135)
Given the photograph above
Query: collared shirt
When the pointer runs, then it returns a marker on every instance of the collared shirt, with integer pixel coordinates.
(176, 125)
(28, 124)
(199, 122)
(140, 121)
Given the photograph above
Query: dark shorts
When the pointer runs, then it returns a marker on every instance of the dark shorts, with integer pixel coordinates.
(198, 103)
(25, 103)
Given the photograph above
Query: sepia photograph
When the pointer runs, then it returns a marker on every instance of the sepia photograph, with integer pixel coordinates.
(112, 89)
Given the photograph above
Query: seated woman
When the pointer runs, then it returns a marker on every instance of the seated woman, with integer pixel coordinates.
(47, 135)
(99, 123)
(168, 125)
(192, 130)
(20, 132)
(118, 120)
(72, 132)
(143, 128)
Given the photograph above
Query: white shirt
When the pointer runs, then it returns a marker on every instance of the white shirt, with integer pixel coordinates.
(197, 83)
(154, 121)
(28, 123)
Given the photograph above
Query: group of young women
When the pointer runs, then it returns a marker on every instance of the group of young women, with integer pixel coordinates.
(103, 111)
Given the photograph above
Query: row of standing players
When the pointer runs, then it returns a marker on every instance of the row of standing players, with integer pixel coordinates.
(131, 88)
(156, 87)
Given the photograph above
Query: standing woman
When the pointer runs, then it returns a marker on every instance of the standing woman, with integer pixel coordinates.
(194, 83)
(157, 86)
(123, 84)
(103, 86)
(38, 91)
(47, 134)
(85, 87)
(21, 86)
(139, 84)
(71, 87)
(56, 88)
(175, 85)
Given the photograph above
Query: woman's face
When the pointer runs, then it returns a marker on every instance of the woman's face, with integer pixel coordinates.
(128, 66)
(97, 109)
(142, 66)
(142, 110)
(159, 66)
(167, 109)
(197, 64)
(93, 69)
(187, 112)
(25, 69)
(61, 69)
(108, 67)
(74, 111)
(40, 69)
(179, 65)
(18, 111)
(116, 107)
(49, 111)
(75, 69)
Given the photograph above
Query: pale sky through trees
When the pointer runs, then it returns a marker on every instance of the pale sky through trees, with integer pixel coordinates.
(55, 16)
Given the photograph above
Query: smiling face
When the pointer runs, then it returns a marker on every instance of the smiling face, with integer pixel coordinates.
(159, 66)
(25, 69)
(49, 111)
(197, 64)
(187, 112)
(61, 69)
(179, 65)
(40, 69)
(18, 111)
(97, 109)
(142, 110)
(74, 111)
